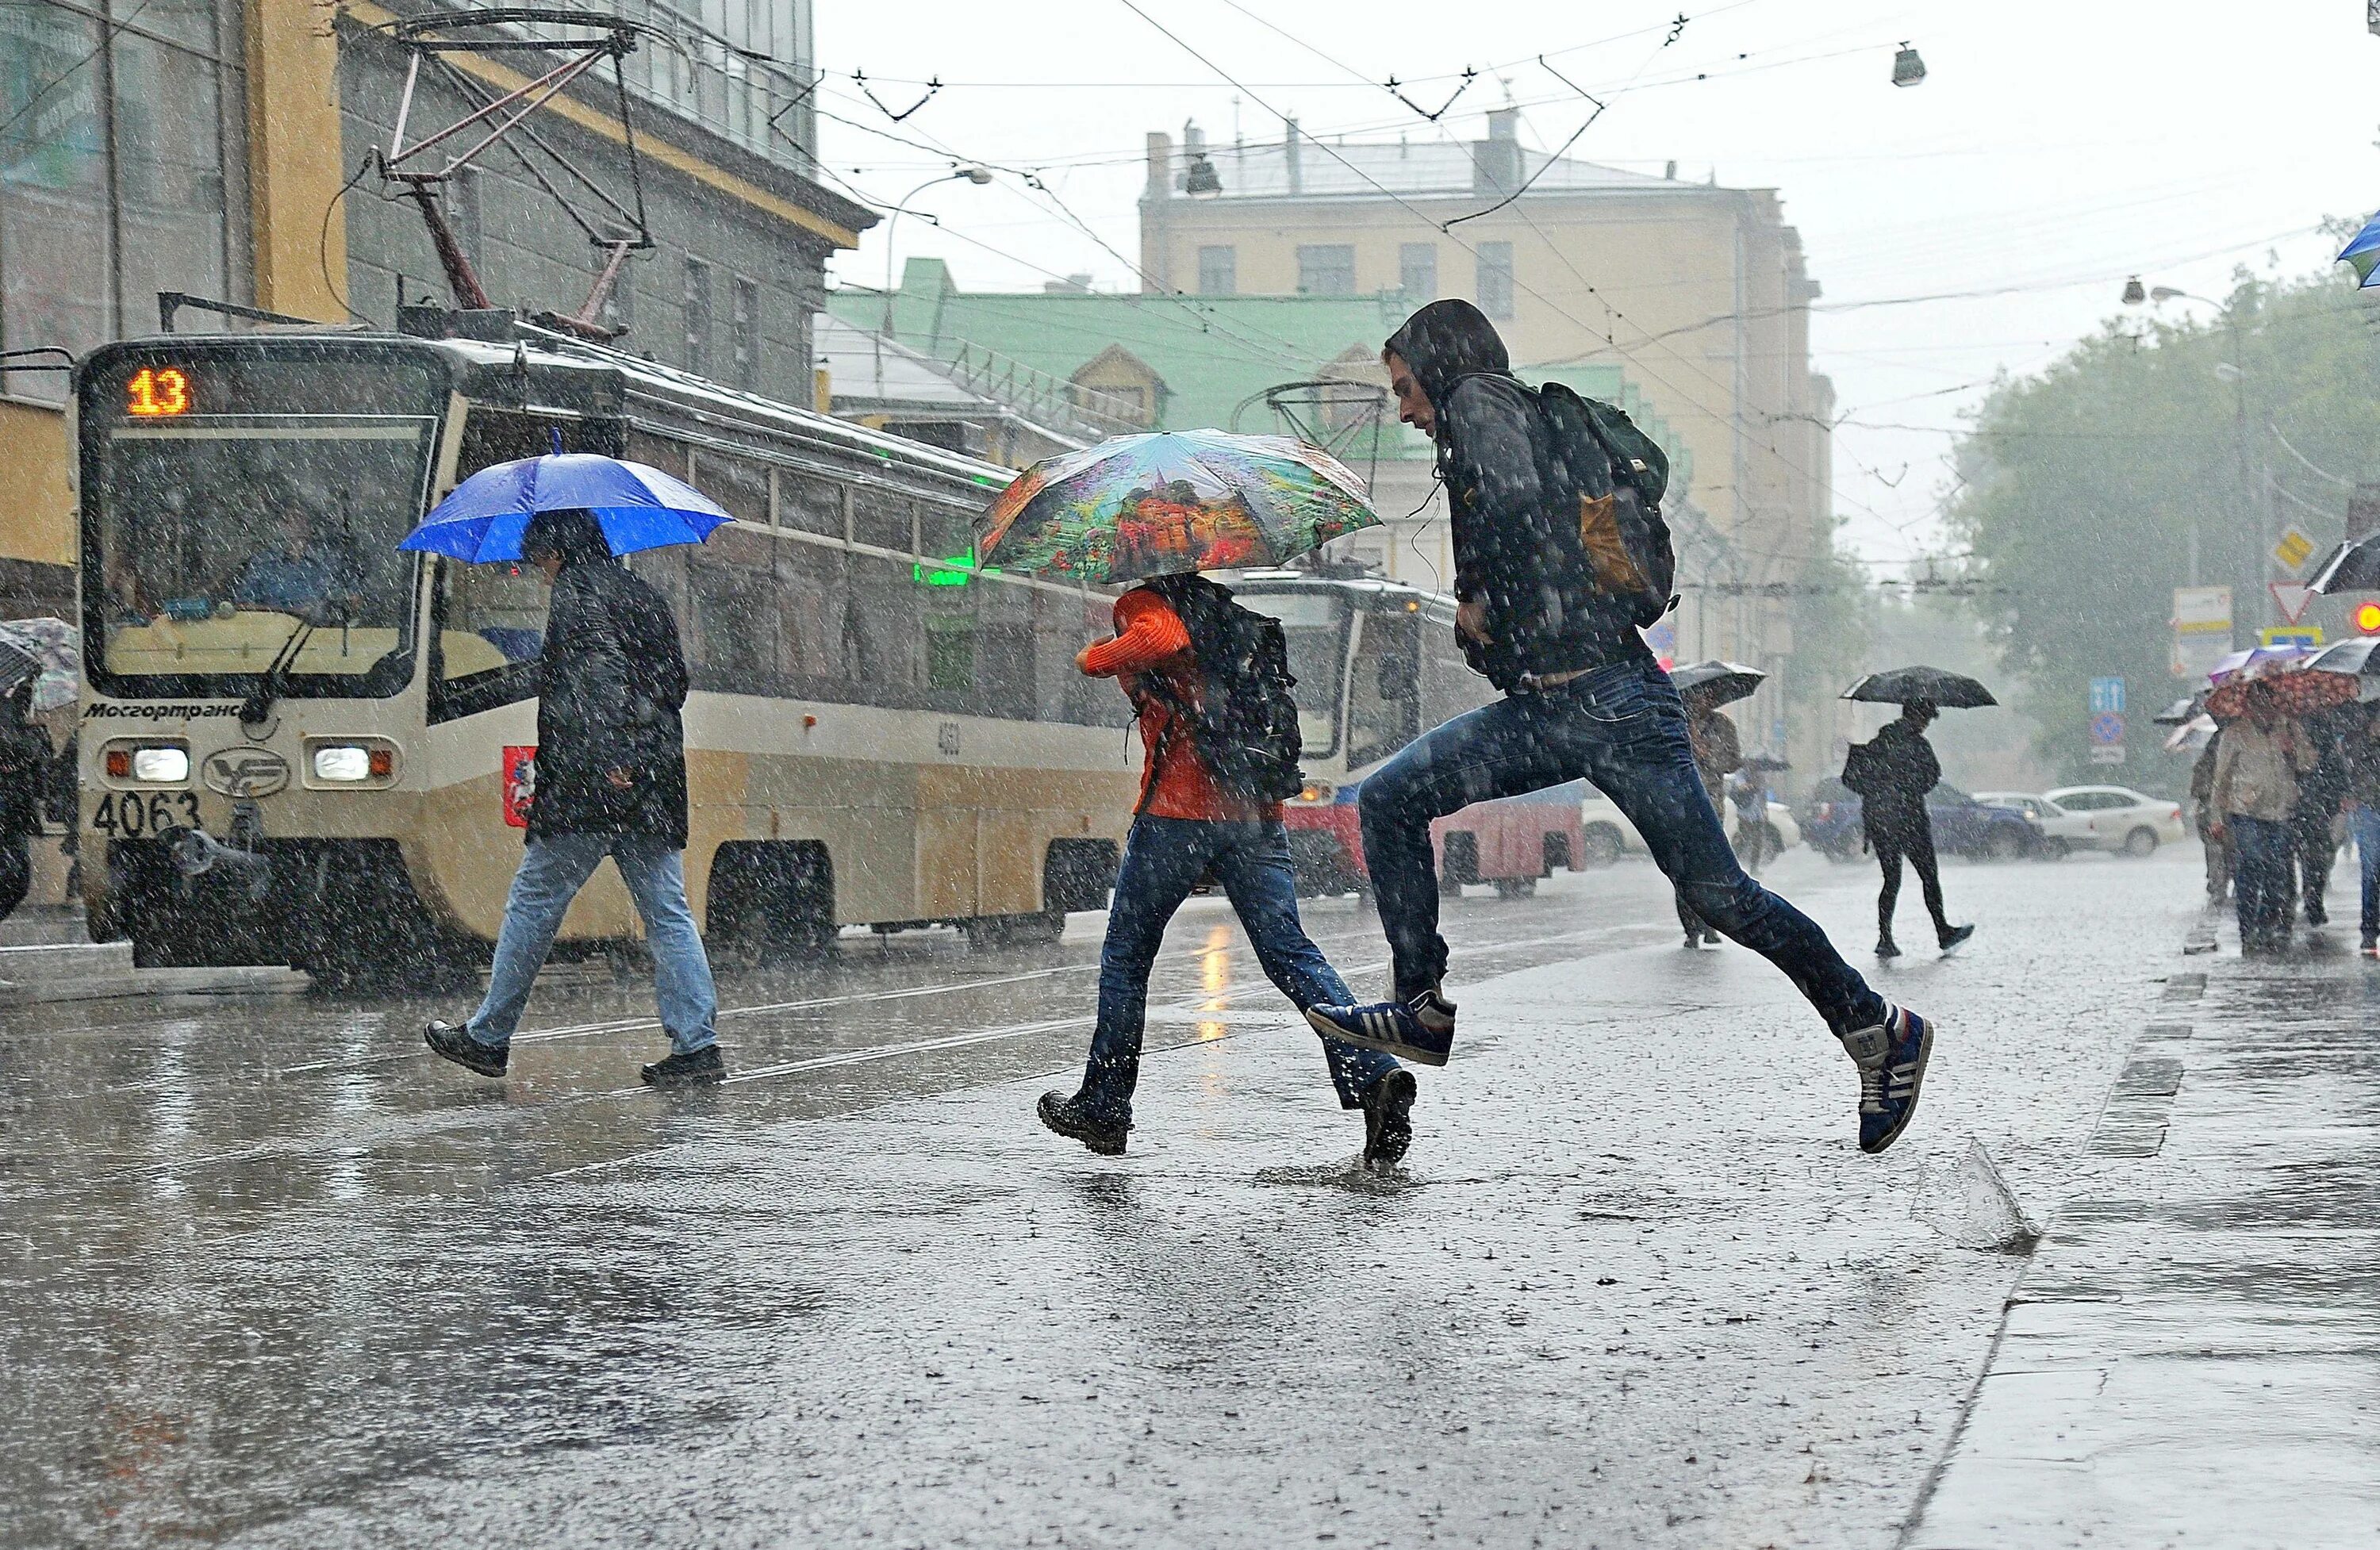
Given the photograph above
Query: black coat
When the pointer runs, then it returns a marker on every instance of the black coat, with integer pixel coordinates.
(1513, 507)
(26, 772)
(612, 680)
(1894, 806)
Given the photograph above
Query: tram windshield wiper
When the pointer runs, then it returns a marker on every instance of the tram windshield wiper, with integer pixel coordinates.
(275, 682)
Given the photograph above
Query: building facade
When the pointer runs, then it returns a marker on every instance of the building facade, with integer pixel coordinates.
(220, 147)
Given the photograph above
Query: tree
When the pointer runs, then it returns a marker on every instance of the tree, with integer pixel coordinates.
(2078, 488)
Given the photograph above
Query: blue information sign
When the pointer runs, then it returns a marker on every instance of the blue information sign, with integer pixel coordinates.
(2107, 695)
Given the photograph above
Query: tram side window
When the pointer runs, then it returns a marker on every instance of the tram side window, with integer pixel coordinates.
(731, 630)
(883, 518)
(813, 506)
(810, 595)
(1449, 687)
(882, 645)
(1004, 664)
(1384, 688)
(739, 485)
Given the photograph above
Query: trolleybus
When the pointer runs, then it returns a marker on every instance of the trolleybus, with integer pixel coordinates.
(301, 746)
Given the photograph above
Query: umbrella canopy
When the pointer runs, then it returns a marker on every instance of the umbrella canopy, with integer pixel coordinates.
(1717, 683)
(2362, 254)
(1933, 686)
(2353, 656)
(1764, 763)
(2353, 566)
(2254, 658)
(2179, 713)
(46, 651)
(1165, 502)
(2295, 694)
(2192, 736)
(637, 507)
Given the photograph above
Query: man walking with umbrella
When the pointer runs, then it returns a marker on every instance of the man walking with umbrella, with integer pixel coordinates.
(610, 755)
(1892, 772)
(1560, 558)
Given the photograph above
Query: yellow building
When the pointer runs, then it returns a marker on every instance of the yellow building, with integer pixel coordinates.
(1698, 292)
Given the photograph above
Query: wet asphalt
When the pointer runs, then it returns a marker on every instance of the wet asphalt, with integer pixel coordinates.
(273, 1276)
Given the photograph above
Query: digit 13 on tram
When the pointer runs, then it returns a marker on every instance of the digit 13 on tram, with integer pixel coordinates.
(1377, 665)
(302, 746)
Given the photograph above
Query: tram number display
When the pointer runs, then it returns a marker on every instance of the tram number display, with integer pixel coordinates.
(155, 392)
(133, 814)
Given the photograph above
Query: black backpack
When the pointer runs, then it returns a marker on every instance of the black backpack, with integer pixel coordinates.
(1242, 717)
(1627, 541)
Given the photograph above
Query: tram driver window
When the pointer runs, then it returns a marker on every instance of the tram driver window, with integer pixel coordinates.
(492, 627)
(1384, 688)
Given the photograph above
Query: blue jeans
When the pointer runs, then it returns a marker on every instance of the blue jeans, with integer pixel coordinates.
(1622, 728)
(2366, 824)
(2260, 879)
(552, 872)
(1163, 860)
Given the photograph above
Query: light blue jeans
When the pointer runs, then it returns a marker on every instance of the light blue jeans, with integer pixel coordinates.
(552, 872)
(2365, 822)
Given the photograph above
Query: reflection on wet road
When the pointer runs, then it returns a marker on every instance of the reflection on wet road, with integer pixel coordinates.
(276, 1277)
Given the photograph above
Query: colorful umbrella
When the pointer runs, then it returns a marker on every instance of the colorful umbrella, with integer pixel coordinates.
(1165, 502)
(2363, 250)
(46, 651)
(639, 507)
(2294, 694)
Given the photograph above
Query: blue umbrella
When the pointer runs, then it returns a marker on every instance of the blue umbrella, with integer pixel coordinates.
(2363, 251)
(638, 506)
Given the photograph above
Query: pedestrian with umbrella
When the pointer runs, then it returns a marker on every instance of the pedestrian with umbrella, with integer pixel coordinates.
(1209, 683)
(1892, 772)
(1703, 688)
(1562, 559)
(2255, 789)
(2359, 747)
(610, 771)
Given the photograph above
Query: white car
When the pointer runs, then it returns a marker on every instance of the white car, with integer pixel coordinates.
(2124, 820)
(2062, 831)
(1609, 835)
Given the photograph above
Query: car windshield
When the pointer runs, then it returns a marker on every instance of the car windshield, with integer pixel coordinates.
(1315, 625)
(220, 537)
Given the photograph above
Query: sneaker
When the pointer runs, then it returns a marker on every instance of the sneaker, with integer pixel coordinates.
(1420, 1030)
(1884, 947)
(1693, 940)
(2316, 914)
(686, 1069)
(1892, 1058)
(1073, 1118)
(2371, 947)
(456, 1043)
(1956, 935)
(1387, 1118)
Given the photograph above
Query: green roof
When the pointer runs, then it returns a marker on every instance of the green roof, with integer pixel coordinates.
(1212, 353)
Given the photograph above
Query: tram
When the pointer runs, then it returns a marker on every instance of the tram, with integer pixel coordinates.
(1377, 665)
(300, 746)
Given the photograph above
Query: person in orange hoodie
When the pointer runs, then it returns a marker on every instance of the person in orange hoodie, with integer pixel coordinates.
(1189, 827)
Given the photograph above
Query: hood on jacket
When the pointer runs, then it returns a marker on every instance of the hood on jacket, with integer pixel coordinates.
(1447, 340)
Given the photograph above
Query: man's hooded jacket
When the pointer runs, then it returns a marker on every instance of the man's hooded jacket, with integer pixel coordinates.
(1514, 507)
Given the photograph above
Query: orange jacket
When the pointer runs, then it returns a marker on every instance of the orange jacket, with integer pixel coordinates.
(1152, 642)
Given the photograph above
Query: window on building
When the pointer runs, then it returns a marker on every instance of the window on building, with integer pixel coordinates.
(698, 317)
(1219, 270)
(105, 201)
(1417, 270)
(1326, 268)
(746, 333)
(1496, 279)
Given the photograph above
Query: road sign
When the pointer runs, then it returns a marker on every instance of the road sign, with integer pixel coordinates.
(2107, 694)
(2294, 599)
(2199, 611)
(2112, 753)
(2295, 548)
(2307, 635)
(2107, 727)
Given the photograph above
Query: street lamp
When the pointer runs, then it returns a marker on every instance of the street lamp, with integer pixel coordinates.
(2235, 372)
(978, 176)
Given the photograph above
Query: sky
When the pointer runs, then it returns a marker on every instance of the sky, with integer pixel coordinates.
(1974, 225)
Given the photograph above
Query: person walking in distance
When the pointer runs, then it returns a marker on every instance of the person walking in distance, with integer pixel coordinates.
(611, 781)
(1560, 559)
(2257, 792)
(1719, 753)
(1195, 820)
(1892, 772)
(2360, 750)
(2209, 823)
(2320, 792)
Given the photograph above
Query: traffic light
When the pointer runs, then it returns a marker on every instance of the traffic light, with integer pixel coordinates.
(2367, 617)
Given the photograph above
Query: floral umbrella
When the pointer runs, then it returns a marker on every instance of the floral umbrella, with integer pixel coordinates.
(2295, 694)
(1165, 502)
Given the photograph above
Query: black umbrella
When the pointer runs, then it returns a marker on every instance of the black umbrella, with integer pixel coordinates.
(2179, 713)
(2353, 656)
(1932, 685)
(1717, 682)
(2353, 566)
(1765, 763)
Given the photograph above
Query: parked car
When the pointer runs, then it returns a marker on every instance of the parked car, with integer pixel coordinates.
(2124, 820)
(2062, 831)
(1608, 835)
(1962, 825)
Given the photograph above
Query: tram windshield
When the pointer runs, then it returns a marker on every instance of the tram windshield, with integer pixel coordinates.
(1315, 625)
(237, 508)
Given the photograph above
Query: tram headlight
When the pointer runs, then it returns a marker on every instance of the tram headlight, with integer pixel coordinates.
(347, 763)
(160, 766)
